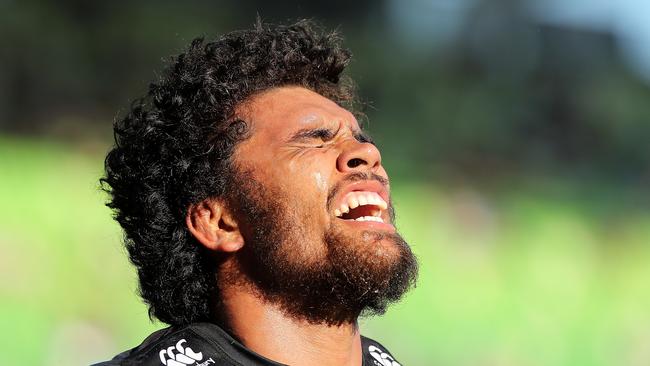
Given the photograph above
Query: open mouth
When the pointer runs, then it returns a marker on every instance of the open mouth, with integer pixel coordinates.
(361, 206)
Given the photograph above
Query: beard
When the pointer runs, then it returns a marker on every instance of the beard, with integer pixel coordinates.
(320, 276)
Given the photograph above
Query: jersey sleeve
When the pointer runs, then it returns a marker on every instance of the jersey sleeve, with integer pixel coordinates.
(375, 354)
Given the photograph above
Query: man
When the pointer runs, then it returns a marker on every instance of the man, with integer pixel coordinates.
(254, 207)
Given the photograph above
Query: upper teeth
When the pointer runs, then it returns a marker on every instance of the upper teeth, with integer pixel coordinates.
(361, 198)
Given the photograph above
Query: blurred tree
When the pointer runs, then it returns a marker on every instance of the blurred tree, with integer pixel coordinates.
(503, 94)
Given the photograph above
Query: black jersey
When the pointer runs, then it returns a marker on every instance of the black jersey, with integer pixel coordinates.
(205, 344)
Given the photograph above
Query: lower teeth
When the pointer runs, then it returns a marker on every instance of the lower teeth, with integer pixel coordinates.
(369, 218)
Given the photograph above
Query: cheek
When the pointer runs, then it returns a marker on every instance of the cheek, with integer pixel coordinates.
(311, 170)
(321, 184)
(308, 183)
(320, 176)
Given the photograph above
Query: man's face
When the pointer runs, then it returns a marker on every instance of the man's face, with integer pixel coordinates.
(313, 201)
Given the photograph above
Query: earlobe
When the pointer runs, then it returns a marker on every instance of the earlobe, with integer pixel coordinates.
(212, 224)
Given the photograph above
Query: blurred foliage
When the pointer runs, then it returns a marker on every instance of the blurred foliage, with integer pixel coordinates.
(533, 275)
(518, 152)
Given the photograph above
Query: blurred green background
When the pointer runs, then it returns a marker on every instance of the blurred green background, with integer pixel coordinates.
(516, 134)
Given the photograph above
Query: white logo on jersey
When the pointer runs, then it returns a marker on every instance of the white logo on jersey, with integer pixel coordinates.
(181, 356)
(382, 358)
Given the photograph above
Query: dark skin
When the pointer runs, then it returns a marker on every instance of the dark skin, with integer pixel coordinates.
(301, 145)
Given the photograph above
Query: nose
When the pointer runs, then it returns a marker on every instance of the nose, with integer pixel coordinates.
(357, 156)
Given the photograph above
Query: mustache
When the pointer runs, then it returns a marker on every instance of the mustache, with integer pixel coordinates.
(354, 177)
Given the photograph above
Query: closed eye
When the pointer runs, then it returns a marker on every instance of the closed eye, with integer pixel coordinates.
(363, 137)
(323, 134)
(307, 135)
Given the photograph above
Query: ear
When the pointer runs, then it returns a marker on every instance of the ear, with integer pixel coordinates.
(213, 225)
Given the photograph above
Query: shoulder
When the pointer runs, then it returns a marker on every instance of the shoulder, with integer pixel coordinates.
(375, 354)
(195, 344)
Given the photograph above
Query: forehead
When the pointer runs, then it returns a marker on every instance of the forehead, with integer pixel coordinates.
(281, 111)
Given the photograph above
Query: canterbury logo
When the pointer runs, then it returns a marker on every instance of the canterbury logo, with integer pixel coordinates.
(182, 356)
(382, 358)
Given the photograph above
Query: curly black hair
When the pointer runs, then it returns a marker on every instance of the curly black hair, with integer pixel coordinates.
(173, 150)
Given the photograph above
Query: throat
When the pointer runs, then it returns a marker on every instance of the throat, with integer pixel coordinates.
(265, 329)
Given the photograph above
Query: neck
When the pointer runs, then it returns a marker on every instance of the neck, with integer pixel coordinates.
(265, 329)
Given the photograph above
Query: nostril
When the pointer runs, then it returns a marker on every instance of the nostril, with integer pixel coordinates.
(353, 163)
